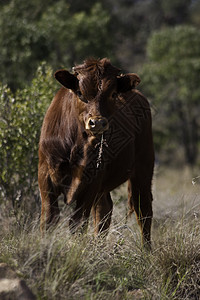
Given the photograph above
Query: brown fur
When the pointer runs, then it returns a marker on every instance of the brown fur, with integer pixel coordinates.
(96, 100)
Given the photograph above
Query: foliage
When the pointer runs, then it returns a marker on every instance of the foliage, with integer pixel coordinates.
(133, 22)
(33, 31)
(20, 122)
(64, 32)
(170, 78)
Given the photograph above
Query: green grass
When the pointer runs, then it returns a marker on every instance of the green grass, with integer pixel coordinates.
(62, 266)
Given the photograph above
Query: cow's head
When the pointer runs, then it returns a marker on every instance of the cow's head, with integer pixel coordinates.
(96, 84)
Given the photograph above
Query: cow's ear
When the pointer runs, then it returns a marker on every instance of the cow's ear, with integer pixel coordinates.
(67, 79)
(127, 82)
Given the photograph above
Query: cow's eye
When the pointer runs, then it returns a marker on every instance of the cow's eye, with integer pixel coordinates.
(79, 94)
(114, 95)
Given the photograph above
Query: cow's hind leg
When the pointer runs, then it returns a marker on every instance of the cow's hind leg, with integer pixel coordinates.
(50, 210)
(140, 201)
(102, 213)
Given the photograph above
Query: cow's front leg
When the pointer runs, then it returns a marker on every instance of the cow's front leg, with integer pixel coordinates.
(80, 217)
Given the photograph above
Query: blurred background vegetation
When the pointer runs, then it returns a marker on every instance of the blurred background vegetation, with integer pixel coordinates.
(158, 39)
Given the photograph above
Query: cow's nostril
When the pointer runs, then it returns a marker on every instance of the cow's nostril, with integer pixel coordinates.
(104, 123)
(97, 124)
(92, 123)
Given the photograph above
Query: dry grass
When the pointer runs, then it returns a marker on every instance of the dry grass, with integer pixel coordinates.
(61, 266)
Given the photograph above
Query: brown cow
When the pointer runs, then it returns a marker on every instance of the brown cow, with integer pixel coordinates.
(96, 134)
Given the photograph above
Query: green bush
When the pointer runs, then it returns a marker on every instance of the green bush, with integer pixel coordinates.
(171, 79)
(21, 118)
(31, 32)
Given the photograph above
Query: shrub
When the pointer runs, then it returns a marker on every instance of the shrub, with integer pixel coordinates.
(20, 122)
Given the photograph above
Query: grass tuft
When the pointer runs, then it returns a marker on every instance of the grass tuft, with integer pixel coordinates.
(65, 266)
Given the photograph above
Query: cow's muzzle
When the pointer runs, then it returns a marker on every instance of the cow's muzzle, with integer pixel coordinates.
(97, 125)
